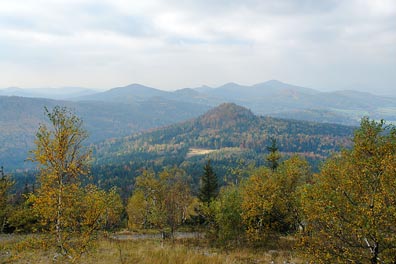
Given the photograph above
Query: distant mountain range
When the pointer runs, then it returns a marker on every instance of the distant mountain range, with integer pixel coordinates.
(126, 110)
(272, 98)
(50, 93)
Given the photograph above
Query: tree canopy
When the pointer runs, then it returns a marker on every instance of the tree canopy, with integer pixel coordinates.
(351, 207)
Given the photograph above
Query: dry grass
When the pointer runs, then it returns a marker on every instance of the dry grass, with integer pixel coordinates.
(15, 249)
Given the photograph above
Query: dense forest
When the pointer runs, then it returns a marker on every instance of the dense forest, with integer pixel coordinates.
(343, 213)
(230, 135)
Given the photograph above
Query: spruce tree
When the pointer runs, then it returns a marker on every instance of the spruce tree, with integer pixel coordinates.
(274, 155)
(209, 186)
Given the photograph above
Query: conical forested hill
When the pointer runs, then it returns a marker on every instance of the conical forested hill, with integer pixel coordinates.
(227, 134)
(230, 125)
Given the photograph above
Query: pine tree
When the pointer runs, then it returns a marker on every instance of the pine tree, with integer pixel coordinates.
(274, 155)
(209, 186)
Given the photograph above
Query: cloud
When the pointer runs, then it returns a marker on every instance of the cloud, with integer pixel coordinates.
(172, 44)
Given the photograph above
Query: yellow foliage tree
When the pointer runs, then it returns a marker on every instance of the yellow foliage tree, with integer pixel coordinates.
(145, 207)
(270, 205)
(227, 211)
(160, 201)
(177, 197)
(5, 185)
(72, 213)
(350, 210)
(137, 210)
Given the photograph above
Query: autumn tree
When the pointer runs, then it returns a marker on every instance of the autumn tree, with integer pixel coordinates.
(258, 193)
(94, 210)
(227, 211)
(145, 206)
(178, 201)
(160, 201)
(23, 217)
(209, 185)
(138, 210)
(62, 160)
(65, 208)
(350, 210)
(270, 206)
(291, 175)
(5, 209)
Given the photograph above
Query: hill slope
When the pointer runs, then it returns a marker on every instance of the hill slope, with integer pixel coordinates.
(133, 108)
(230, 125)
(20, 118)
(227, 134)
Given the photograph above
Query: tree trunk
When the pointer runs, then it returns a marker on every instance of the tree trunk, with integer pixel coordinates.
(3, 225)
(58, 226)
(374, 259)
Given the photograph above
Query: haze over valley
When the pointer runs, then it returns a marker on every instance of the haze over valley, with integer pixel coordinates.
(134, 108)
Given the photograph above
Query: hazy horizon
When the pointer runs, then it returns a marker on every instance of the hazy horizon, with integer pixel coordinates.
(63, 88)
(324, 45)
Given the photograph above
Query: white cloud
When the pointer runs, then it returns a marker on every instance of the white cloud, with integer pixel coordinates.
(174, 44)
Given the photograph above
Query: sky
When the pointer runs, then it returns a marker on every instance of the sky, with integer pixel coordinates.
(170, 44)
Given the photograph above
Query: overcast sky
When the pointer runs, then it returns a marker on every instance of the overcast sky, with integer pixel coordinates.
(327, 45)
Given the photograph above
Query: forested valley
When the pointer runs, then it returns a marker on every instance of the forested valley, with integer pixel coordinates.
(227, 187)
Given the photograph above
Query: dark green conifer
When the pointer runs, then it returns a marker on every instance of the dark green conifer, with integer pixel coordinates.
(274, 156)
(209, 188)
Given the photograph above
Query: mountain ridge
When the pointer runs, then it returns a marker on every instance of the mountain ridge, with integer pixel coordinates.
(229, 120)
(227, 135)
(272, 97)
(61, 93)
(134, 108)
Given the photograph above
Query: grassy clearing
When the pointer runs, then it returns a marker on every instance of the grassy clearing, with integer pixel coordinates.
(192, 152)
(24, 249)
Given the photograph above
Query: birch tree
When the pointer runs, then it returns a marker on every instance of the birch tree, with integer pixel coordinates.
(62, 160)
(350, 210)
(66, 209)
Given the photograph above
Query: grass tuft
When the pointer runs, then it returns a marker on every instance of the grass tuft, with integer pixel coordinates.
(107, 250)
